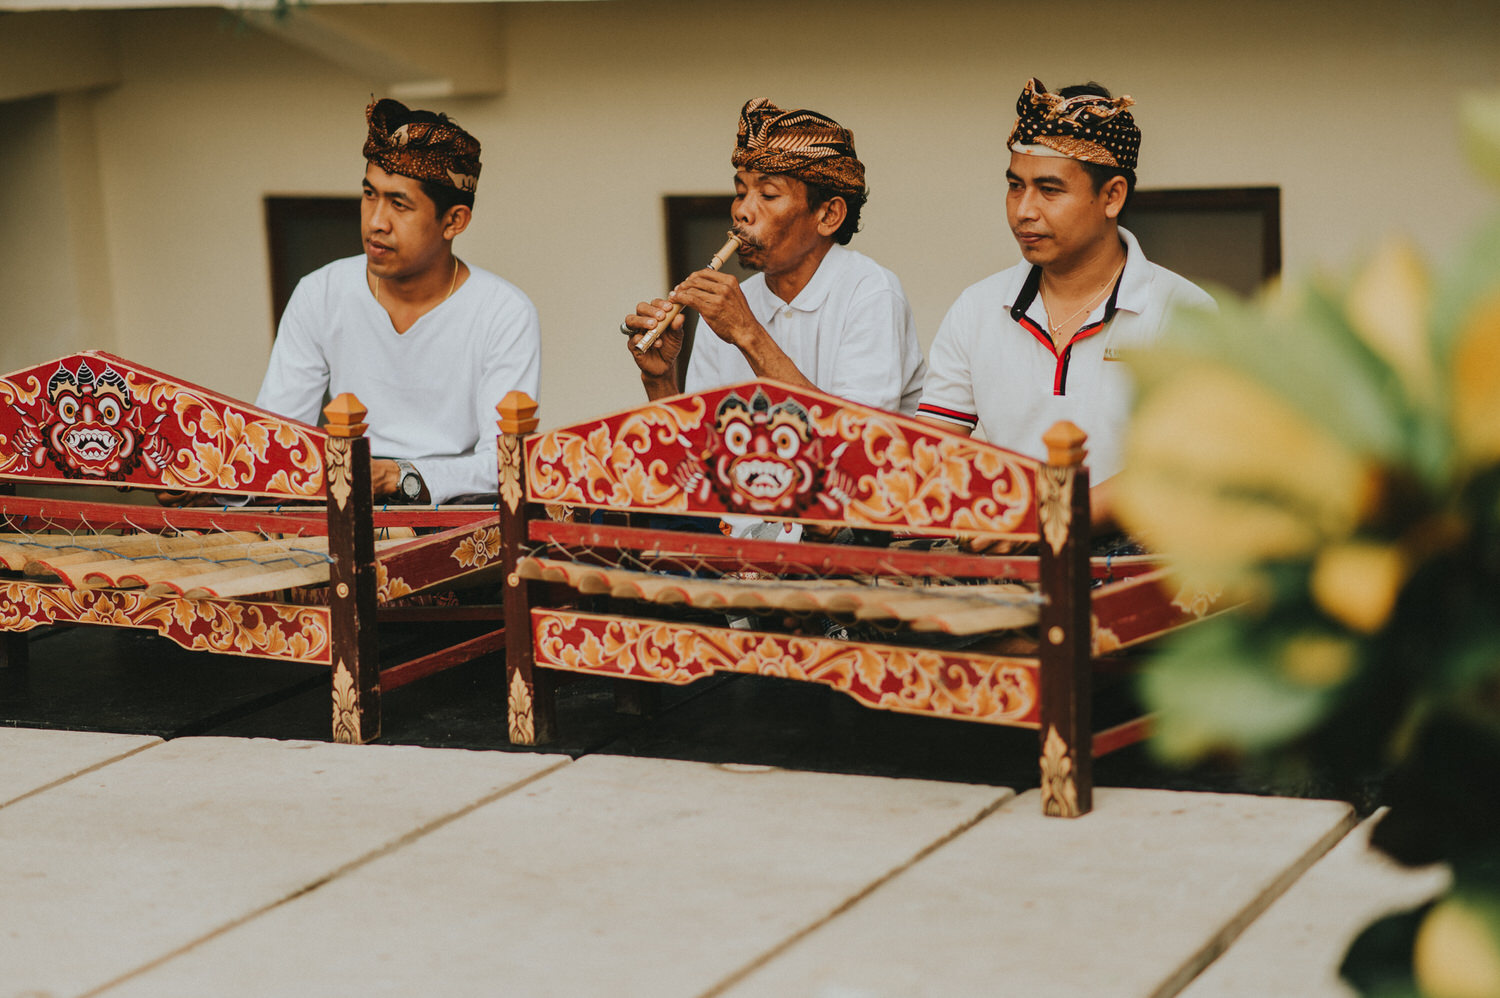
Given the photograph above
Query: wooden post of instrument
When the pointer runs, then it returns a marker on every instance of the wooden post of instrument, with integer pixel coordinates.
(531, 712)
(1066, 640)
(719, 259)
(351, 576)
(15, 648)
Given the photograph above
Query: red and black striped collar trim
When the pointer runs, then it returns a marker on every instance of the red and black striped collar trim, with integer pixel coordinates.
(1032, 287)
(1024, 300)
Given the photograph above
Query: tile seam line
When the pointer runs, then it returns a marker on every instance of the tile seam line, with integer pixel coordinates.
(82, 772)
(764, 958)
(1217, 945)
(327, 878)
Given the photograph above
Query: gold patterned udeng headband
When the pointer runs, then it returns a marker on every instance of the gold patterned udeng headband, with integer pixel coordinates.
(435, 151)
(804, 144)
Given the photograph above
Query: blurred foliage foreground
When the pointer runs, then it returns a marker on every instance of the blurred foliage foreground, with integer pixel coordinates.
(1331, 457)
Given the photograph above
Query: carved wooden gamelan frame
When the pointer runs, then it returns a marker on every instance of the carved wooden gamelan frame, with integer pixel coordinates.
(93, 418)
(827, 462)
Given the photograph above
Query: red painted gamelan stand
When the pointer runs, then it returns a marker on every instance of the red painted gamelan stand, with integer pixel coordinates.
(1022, 652)
(294, 573)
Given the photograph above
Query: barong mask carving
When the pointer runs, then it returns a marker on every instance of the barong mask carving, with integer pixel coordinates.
(765, 459)
(97, 418)
(88, 426)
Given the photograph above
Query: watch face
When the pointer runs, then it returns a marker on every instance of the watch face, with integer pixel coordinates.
(411, 485)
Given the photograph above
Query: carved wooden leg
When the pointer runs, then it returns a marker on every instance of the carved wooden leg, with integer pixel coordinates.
(531, 706)
(352, 581)
(531, 702)
(1065, 638)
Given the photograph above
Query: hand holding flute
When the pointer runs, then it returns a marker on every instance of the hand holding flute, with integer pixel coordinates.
(718, 261)
(656, 326)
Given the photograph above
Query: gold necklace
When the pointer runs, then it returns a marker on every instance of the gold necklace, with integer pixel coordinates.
(1053, 327)
(454, 283)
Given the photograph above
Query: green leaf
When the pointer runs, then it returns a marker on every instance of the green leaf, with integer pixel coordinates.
(1214, 692)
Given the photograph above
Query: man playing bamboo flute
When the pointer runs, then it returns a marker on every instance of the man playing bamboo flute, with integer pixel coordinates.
(817, 314)
(429, 343)
(1041, 341)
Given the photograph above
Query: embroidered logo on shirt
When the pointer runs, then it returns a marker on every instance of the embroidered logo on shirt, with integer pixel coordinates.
(1110, 353)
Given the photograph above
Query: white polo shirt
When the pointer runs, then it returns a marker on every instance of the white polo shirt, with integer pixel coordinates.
(850, 332)
(999, 371)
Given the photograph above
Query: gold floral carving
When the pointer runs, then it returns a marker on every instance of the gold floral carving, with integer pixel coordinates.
(1059, 793)
(479, 548)
(925, 479)
(520, 723)
(1054, 502)
(213, 445)
(907, 680)
(345, 706)
(597, 466)
(227, 448)
(508, 461)
(13, 394)
(1196, 598)
(261, 630)
(340, 475)
(915, 476)
(387, 588)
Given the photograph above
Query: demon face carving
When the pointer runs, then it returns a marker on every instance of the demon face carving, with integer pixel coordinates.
(89, 426)
(764, 459)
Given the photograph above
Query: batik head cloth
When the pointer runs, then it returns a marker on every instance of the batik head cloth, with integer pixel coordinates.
(1088, 127)
(809, 146)
(436, 151)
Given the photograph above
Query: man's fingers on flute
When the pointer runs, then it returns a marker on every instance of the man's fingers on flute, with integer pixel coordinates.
(706, 280)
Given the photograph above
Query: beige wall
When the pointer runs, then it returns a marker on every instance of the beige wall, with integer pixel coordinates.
(54, 277)
(608, 106)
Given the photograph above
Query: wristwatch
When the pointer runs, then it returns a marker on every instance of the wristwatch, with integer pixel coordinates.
(411, 488)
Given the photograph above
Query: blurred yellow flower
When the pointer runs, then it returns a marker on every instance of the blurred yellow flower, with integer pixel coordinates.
(1357, 583)
(1476, 384)
(1318, 660)
(1220, 472)
(1457, 951)
(1388, 310)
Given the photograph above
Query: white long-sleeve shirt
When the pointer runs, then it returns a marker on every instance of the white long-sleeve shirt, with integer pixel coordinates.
(431, 392)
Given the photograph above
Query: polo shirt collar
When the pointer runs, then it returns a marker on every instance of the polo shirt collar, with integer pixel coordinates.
(1134, 283)
(812, 297)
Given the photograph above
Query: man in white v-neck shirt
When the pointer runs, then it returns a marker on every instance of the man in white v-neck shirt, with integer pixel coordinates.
(1041, 341)
(817, 315)
(428, 343)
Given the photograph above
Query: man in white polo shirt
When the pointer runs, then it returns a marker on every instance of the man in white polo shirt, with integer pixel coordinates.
(818, 315)
(1041, 341)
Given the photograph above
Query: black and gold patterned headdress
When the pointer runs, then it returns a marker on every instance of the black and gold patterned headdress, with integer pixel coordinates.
(1089, 127)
